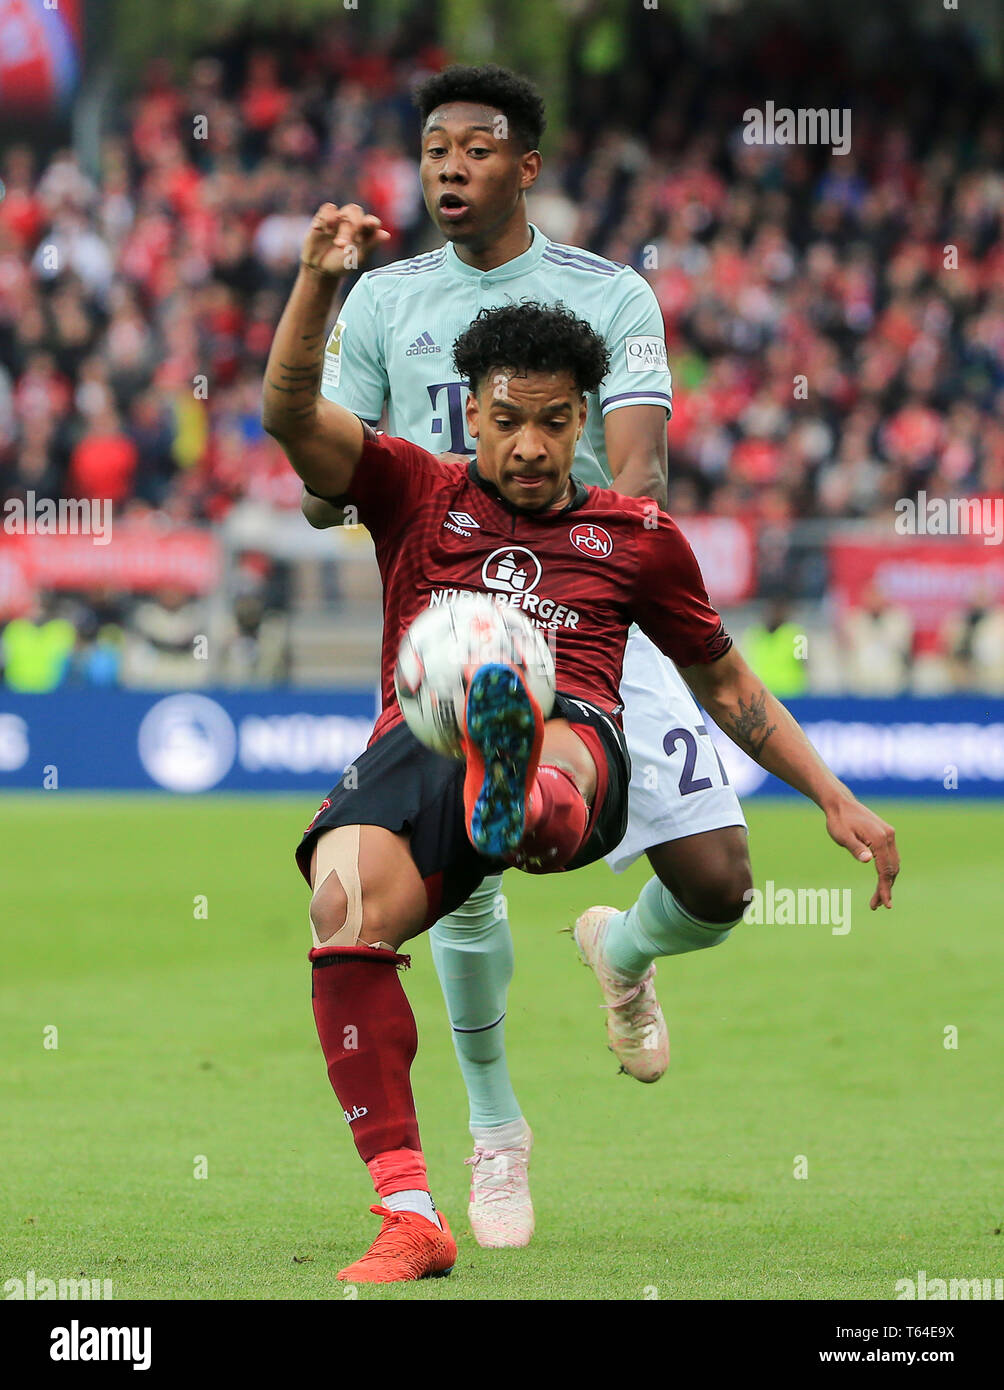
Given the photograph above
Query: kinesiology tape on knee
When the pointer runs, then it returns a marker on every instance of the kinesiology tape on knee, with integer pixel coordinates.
(558, 817)
(338, 853)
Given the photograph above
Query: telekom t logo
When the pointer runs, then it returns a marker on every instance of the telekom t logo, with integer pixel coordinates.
(455, 420)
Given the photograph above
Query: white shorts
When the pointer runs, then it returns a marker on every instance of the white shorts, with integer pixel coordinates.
(679, 785)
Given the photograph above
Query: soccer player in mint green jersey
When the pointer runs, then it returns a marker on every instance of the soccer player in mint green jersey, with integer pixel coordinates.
(391, 350)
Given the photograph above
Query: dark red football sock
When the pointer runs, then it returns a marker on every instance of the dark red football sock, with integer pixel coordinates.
(557, 821)
(369, 1040)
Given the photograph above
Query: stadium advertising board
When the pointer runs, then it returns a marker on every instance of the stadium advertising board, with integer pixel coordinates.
(137, 556)
(302, 741)
(935, 748)
(930, 578)
(184, 742)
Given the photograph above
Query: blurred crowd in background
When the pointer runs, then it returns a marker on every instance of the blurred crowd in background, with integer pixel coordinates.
(137, 308)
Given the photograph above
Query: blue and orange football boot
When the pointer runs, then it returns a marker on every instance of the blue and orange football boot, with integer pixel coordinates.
(502, 737)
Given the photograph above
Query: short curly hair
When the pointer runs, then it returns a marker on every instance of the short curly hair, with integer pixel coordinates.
(531, 337)
(516, 97)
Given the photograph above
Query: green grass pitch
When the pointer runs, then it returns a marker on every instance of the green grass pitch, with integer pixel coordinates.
(183, 1035)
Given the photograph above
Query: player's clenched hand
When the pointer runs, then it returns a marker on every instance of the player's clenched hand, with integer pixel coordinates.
(868, 838)
(340, 238)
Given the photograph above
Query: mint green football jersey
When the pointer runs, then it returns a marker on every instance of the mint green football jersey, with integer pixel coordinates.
(393, 342)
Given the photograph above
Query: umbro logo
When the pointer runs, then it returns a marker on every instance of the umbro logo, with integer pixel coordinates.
(422, 345)
(462, 523)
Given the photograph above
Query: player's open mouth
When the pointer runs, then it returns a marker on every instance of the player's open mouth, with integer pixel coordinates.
(452, 207)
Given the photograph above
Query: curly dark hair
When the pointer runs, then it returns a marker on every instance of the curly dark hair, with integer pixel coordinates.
(531, 337)
(516, 97)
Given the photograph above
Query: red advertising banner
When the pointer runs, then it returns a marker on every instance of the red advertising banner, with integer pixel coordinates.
(930, 578)
(138, 558)
(726, 554)
(40, 55)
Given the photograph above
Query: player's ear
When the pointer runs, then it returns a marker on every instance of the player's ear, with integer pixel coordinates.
(530, 165)
(473, 414)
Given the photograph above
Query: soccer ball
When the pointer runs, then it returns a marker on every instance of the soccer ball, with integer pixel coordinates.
(443, 648)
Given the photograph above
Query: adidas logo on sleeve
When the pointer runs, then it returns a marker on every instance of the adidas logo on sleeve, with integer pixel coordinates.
(423, 345)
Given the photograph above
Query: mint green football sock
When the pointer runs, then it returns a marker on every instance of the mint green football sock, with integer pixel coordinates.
(656, 925)
(473, 955)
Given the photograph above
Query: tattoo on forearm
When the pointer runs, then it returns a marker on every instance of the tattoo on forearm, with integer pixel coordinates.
(288, 390)
(749, 728)
(291, 388)
(297, 380)
(306, 372)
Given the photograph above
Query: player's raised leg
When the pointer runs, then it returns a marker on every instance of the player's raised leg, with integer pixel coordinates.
(685, 816)
(368, 899)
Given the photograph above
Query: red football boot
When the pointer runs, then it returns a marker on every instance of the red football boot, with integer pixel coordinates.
(409, 1246)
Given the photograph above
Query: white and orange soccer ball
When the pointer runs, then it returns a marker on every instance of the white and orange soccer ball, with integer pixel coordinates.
(443, 648)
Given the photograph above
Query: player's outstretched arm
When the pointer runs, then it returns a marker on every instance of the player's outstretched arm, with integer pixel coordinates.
(322, 441)
(756, 720)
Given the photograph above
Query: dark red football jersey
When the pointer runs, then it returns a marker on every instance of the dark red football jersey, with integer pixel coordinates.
(583, 573)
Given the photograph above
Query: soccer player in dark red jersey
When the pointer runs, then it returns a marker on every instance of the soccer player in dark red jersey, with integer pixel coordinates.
(388, 854)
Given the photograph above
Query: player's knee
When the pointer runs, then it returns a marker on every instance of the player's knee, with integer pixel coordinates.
(329, 913)
(382, 924)
(329, 908)
(724, 898)
(717, 890)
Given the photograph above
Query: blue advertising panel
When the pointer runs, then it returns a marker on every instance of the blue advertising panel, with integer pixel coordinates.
(302, 741)
(936, 748)
(186, 742)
